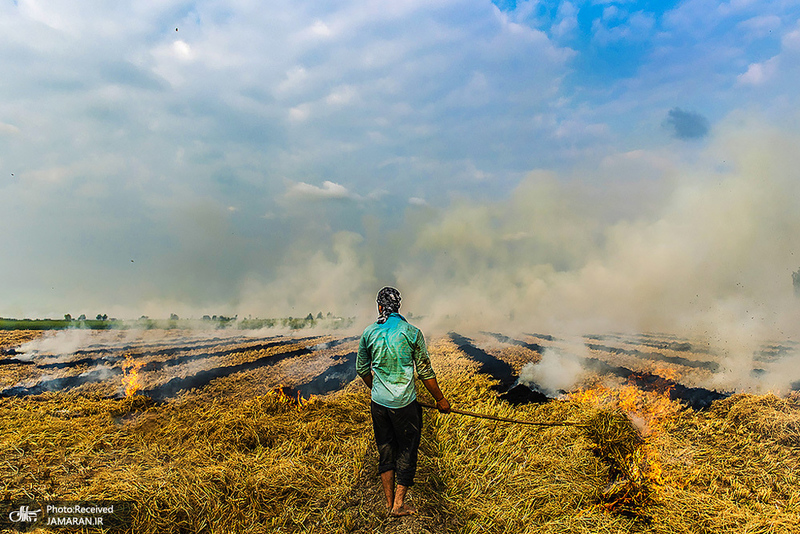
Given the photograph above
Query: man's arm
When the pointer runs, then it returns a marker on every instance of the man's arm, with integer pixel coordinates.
(422, 361)
(433, 388)
(364, 362)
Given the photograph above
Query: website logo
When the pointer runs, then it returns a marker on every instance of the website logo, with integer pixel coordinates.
(24, 515)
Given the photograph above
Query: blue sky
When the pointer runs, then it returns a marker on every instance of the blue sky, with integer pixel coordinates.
(242, 157)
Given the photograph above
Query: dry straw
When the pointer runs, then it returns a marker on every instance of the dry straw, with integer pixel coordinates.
(229, 458)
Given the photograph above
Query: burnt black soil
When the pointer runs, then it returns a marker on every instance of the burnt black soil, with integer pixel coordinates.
(655, 356)
(333, 379)
(494, 367)
(511, 341)
(202, 378)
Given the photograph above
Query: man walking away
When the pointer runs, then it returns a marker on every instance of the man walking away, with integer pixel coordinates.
(388, 353)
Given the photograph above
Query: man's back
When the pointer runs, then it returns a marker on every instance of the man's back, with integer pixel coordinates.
(392, 350)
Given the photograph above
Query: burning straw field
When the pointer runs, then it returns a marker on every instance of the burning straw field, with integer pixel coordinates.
(236, 431)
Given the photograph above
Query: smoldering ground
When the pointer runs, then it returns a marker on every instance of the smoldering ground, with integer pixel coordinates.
(167, 362)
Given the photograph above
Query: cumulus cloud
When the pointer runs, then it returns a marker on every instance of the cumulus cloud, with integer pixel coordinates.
(328, 190)
(566, 21)
(791, 40)
(759, 73)
(686, 124)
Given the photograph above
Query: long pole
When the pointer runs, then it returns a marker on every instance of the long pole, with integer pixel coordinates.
(505, 419)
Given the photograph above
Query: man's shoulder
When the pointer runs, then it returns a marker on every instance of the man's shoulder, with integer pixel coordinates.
(369, 329)
(410, 330)
(398, 325)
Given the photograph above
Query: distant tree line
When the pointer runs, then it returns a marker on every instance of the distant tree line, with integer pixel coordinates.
(103, 322)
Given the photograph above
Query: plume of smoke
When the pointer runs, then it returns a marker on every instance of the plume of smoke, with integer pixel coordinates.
(60, 343)
(711, 258)
(311, 281)
(558, 370)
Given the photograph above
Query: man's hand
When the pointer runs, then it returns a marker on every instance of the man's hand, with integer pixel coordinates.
(367, 380)
(433, 388)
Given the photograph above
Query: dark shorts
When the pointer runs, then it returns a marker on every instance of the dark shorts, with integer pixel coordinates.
(397, 433)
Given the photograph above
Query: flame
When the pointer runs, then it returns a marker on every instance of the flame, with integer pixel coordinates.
(299, 402)
(648, 411)
(130, 375)
(668, 373)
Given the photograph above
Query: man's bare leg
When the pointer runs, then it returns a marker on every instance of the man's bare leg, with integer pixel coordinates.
(400, 507)
(387, 479)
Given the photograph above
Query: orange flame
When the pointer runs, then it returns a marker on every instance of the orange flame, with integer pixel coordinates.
(298, 403)
(130, 375)
(648, 411)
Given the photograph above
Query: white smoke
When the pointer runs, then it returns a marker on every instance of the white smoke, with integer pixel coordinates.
(708, 254)
(701, 249)
(59, 343)
(557, 371)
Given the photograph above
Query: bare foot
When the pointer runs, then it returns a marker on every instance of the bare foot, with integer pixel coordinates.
(403, 510)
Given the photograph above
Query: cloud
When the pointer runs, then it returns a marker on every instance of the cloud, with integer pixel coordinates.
(760, 26)
(759, 73)
(131, 140)
(615, 27)
(182, 50)
(8, 129)
(329, 190)
(566, 22)
(686, 124)
(791, 40)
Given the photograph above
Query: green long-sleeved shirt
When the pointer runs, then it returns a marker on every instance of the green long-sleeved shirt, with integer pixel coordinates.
(391, 351)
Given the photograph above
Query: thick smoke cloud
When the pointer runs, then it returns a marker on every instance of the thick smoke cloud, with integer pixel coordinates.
(557, 371)
(712, 258)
